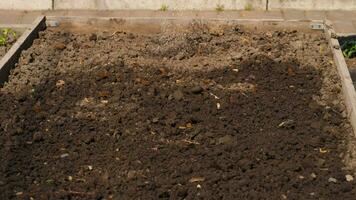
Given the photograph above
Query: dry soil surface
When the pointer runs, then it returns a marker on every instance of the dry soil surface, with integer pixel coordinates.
(200, 112)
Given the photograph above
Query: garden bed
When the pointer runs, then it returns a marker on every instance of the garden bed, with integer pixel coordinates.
(198, 111)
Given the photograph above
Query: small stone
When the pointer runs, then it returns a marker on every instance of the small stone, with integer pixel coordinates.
(60, 83)
(19, 131)
(131, 174)
(155, 120)
(216, 31)
(199, 186)
(93, 37)
(332, 180)
(197, 90)
(89, 139)
(64, 155)
(196, 179)
(313, 175)
(237, 57)
(320, 162)
(70, 178)
(227, 139)
(37, 137)
(349, 178)
(90, 167)
(59, 46)
(287, 124)
(19, 193)
(178, 95)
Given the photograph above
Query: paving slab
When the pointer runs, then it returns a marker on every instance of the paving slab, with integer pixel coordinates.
(315, 15)
(343, 19)
(344, 27)
(293, 14)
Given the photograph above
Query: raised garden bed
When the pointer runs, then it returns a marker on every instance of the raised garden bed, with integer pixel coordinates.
(192, 111)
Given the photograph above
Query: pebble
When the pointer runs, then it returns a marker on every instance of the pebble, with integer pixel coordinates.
(227, 139)
(313, 175)
(131, 174)
(93, 37)
(320, 162)
(155, 120)
(19, 193)
(332, 180)
(37, 137)
(196, 90)
(64, 155)
(287, 124)
(178, 95)
(237, 57)
(196, 179)
(349, 178)
(60, 46)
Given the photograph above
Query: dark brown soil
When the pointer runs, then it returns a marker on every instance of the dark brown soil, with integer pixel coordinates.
(203, 112)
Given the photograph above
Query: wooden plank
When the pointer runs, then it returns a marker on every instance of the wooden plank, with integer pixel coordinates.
(24, 42)
(348, 88)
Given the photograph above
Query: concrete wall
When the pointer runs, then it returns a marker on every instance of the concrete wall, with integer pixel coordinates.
(177, 4)
(25, 4)
(157, 4)
(313, 4)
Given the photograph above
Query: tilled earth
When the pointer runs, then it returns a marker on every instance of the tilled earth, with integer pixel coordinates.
(203, 112)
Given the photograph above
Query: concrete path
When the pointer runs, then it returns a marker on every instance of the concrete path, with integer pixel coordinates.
(344, 21)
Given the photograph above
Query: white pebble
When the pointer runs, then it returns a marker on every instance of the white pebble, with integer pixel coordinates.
(64, 155)
(332, 180)
(349, 178)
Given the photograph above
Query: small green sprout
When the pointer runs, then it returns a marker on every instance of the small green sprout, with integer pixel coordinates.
(5, 35)
(219, 8)
(349, 49)
(248, 7)
(164, 7)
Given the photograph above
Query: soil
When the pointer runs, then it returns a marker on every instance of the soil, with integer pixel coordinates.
(200, 112)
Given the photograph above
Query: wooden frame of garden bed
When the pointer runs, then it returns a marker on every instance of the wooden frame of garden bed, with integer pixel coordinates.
(348, 89)
(25, 41)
